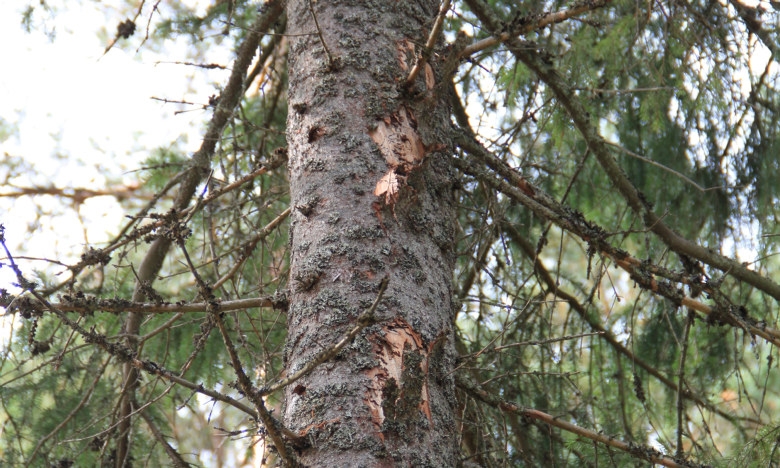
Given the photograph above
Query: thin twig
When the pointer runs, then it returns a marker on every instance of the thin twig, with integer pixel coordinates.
(428, 50)
(364, 320)
(322, 40)
(599, 91)
(637, 451)
(660, 166)
(543, 21)
(551, 340)
(681, 383)
(168, 323)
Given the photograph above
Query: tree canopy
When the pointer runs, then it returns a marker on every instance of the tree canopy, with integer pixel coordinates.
(615, 190)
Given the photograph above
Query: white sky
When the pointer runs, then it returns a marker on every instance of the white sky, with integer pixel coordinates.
(81, 115)
(84, 119)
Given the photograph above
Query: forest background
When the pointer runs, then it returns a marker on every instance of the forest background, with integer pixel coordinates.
(614, 246)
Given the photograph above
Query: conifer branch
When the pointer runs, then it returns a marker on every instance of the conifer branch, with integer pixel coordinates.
(119, 351)
(554, 288)
(73, 412)
(637, 451)
(244, 384)
(545, 206)
(636, 200)
(525, 25)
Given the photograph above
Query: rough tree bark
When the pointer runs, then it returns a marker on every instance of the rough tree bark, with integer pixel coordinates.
(371, 187)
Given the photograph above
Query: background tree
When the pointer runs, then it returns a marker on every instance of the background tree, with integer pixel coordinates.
(521, 234)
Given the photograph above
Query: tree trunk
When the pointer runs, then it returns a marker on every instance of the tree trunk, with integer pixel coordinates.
(371, 186)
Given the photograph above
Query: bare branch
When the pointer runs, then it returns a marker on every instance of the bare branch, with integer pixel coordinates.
(545, 206)
(637, 451)
(429, 44)
(89, 305)
(331, 61)
(176, 459)
(529, 26)
(366, 319)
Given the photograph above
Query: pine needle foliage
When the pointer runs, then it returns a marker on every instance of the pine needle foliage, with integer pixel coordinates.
(587, 311)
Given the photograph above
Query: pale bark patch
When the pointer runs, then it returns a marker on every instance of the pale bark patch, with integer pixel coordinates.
(396, 339)
(430, 81)
(403, 49)
(397, 139)
(389, 186)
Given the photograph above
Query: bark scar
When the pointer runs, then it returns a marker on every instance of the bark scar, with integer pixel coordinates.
(399, 382)
(404, 151)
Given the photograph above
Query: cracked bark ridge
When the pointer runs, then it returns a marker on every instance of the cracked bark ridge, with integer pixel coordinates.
(361, 147)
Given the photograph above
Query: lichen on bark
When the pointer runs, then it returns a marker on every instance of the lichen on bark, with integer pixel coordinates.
(350, 126)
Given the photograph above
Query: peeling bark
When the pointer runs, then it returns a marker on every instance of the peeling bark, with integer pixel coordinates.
(363, 149)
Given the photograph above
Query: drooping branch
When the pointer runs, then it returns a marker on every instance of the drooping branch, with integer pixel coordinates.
(637, 451)
(199, 168)
(636, 200)
(552, 286)
(528, 54)
(545, 206)
(525, 25)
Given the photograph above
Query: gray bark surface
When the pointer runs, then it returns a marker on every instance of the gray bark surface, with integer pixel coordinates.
(371, 188)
